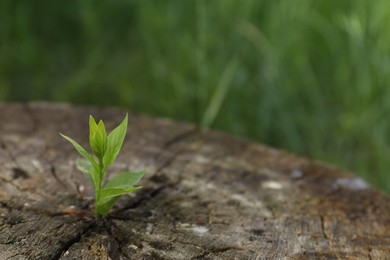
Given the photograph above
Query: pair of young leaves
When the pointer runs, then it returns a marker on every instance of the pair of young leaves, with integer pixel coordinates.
(105, 148)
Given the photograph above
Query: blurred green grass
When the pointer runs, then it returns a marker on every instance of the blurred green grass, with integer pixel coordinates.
(309, 76)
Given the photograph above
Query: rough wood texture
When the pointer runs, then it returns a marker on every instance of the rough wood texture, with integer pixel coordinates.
(206, 196)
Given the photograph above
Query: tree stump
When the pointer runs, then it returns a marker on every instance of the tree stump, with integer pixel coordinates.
(206, 195)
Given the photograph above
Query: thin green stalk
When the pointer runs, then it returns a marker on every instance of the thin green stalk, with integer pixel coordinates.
(220, 94)
(101, 173)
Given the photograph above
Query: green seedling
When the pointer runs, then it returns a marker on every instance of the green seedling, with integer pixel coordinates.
(105, 149)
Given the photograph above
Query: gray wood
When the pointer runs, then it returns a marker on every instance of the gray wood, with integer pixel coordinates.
(206, 195)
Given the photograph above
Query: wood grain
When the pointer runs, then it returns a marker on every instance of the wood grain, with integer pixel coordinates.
(206, 195)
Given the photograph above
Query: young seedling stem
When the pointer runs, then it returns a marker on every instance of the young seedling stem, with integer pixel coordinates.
(105, 148)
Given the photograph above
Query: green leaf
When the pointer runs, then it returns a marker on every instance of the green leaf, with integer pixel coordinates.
(114, 142)
(97, 137)
(124, 180)
(106, 194)
(117, 186)
(89, 172)
(81, 151)
(92, 126)
(105, 208)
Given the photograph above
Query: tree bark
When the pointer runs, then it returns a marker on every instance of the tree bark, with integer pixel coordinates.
(205, 195)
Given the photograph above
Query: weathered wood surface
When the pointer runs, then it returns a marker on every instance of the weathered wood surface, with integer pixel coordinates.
(205, 196)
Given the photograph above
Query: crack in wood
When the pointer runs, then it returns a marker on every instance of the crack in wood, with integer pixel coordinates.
(327, 237)
(212, 250)
(13, 184)
(217, 251)
(19, 173)
(11, 156)
(52, 213)
(113, 225)
(124, 240)
(12, 224)
(115, 214)
(68, 244)
(164, 165)
(25, 190)
(369, 253)
(5, 205)
(181, 137)
(323, 229)
(55, 176)
(108, 225)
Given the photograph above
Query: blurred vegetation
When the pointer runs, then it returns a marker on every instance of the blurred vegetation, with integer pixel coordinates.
(309, 76)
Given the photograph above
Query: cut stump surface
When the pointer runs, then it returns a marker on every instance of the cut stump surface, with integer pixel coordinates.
(206, 195)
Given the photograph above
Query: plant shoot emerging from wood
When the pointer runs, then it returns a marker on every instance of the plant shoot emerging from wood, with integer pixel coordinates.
(105, 149)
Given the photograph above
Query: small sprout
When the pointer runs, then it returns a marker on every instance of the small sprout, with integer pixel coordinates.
(105, 149)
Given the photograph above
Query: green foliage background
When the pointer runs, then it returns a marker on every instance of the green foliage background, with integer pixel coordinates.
(309, 76)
